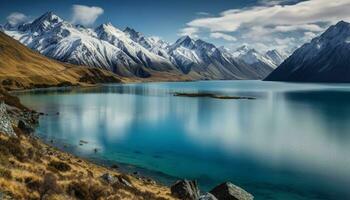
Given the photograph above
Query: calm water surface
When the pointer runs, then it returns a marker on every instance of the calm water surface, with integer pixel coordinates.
(292, 142)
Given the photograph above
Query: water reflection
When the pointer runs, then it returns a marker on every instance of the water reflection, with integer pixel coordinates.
(276, 146)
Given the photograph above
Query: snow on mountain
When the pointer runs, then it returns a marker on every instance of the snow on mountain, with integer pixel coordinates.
(130, 53)
(325, 59)
(105, 47)
(276, 57)
(155, 45)
(251, 56)
(206, 59)
(142, 56)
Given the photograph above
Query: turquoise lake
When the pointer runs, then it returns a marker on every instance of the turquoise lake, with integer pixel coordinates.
(291, 142)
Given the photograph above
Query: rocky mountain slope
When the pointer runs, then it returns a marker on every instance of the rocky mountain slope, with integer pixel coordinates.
(129, 53)
(325, 59)
(21, 67)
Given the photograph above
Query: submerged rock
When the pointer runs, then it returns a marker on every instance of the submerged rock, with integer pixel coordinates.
(229, 191)
(5, 121)
(185, 190)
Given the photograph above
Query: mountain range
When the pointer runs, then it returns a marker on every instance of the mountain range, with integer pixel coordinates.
(325, 59)
(23, 68)
(131, 54)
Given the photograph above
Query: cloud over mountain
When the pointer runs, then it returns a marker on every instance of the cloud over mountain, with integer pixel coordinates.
(85, 15)
(17, 18)
(281, 19)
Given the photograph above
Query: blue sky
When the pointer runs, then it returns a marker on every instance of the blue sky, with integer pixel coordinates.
(262, 24)
(152, 17)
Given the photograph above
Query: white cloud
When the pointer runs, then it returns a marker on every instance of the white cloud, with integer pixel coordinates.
(224, 36)
(190, 31)
(301, 13)
(306, 27)
(277, 2)
(17, 18)
(274, 19)
(86, 15)
(308, 36)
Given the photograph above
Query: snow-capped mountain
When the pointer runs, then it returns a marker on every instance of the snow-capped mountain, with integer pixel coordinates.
(155, 45)
(106, 46)
(325, 59)
(208, 60)
(276, 57)
(130, 53)
(252, 56)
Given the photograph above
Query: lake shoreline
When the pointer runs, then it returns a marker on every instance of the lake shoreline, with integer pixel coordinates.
(135, 174)
(140, 185)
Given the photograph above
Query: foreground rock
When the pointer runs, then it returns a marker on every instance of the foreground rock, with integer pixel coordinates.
(110, 179)
(5, 122)
(229, 191)
(25, 127)
(185, 190)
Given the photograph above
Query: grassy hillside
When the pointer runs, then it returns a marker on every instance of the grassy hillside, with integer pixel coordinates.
(22, 68)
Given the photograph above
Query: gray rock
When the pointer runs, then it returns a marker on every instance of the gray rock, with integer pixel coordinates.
(185, 190)
(124, 181)
(26, 128)
(207, 196)
(108, 178)
(5, 121)
(229, 191)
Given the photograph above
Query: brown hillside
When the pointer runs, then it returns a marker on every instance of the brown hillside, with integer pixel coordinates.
(22, 68)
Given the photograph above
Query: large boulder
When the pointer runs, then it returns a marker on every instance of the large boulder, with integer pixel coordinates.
(229, 191)
(5, 121)
(185, 190)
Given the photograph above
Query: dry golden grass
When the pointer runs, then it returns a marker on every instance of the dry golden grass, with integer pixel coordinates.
(23, 68)
(27, 176)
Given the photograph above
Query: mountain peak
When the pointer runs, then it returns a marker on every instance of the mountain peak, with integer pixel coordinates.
(50, 17)
(105, 27)
(205, 45)
(342, 23)
(132, 32)
(341, 31)
(185, 41)
(107, 24)
(43, 23)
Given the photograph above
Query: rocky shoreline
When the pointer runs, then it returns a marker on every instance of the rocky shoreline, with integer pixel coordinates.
(40, 171)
